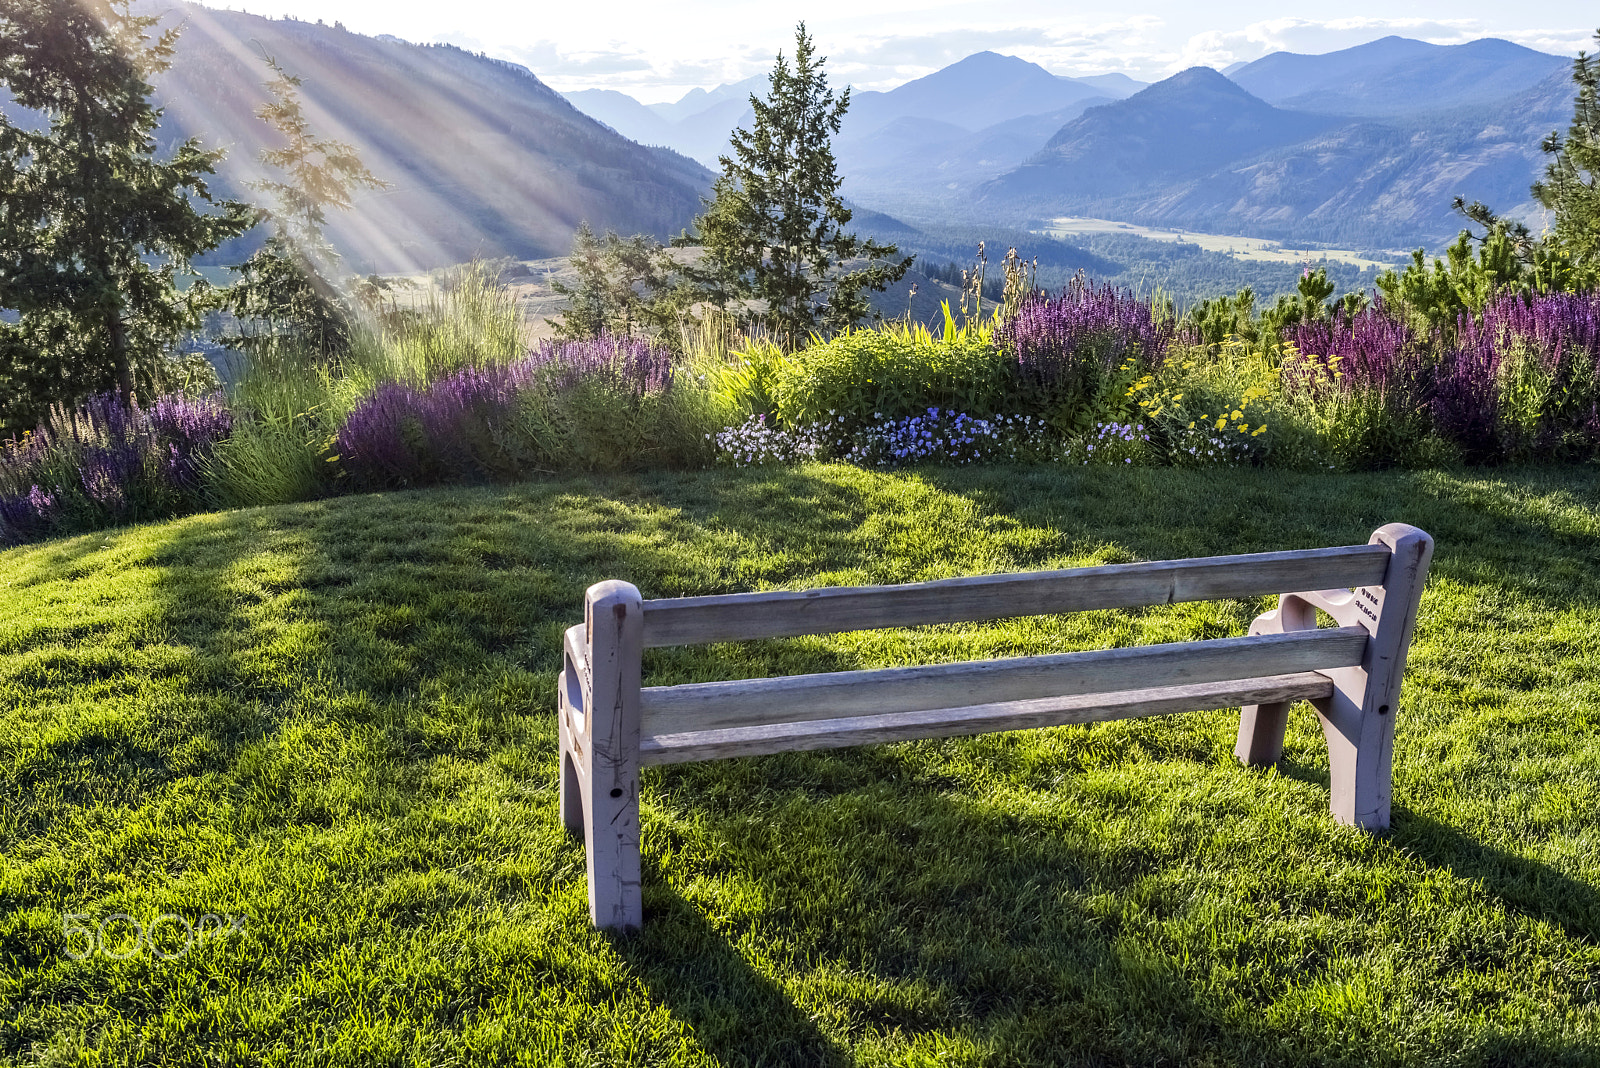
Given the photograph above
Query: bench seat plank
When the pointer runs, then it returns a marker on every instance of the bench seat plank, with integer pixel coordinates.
(977, 719)
(788, 613)
(845, 694)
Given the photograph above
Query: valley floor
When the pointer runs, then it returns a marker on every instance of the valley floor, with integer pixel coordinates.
(330, 727)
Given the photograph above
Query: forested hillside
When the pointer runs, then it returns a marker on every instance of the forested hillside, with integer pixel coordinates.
(481, 157)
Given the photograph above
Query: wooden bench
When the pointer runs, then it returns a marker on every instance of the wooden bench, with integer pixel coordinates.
(611, 725)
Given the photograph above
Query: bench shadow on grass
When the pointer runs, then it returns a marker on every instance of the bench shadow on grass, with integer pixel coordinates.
(1525, 886)
(940, 917)
(738, 1015)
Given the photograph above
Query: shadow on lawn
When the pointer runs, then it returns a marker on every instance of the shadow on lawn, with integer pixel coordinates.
(1526, 886)
(739, 1015)
(1521, 885)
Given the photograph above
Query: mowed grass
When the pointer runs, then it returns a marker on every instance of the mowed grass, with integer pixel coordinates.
(332, 724)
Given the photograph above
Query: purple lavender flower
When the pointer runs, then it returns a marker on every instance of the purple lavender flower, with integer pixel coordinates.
(457, 428)
(108, 462)
(1064, 344)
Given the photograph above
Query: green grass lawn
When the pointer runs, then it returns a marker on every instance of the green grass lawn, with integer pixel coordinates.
(333, 725)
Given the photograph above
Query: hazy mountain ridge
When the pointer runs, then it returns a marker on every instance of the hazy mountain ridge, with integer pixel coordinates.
(976, 95)
(1365, 146)
(1185, 126)
(1397, 76)
(482, 157)
(1380, 183)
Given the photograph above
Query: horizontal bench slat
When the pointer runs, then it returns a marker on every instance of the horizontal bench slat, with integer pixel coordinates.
(795, 698)
(787, 613)
(976, 719)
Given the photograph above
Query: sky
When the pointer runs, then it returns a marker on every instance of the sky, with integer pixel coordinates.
(657, 51)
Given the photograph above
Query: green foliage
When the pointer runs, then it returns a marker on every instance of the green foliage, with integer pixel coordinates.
(774, 232)
(892, 371)
(745, 382)
(1214, 322)
(286, 290)
(1461, 283)
(1570, 189)
(627, 286)
(1369, 430)
(96, 232)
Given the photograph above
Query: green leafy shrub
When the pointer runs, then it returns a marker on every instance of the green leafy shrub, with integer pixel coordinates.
(893, 371)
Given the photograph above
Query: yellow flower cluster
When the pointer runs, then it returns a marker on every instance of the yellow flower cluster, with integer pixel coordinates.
(1155, 401)
(1322, 369)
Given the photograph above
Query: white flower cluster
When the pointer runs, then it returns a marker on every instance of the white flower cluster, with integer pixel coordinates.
(755, 442)
(1110, 443)
(1206, 445)
(943, 436)
(954, 438)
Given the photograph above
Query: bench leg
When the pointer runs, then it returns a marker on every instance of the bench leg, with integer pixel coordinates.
(1261, 727)
(571, 796)
(1360, 754)
(608, 772)
(1358, 720)
(1261, 730)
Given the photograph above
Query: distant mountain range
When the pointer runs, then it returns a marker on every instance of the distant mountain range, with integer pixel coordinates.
(976, 94)
(482, 157)
(1198, 152)
(1396, 76)
(1365, 146)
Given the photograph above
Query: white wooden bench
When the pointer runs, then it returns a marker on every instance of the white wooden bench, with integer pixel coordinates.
(611, 725)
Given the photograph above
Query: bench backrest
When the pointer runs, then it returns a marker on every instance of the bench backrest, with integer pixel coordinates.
(611, 724)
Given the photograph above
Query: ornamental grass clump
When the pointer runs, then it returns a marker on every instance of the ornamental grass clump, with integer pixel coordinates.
(106, 462)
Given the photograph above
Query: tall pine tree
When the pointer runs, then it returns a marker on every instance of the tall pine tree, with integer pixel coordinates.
(1570, 190)
(774, 231)
(1567, 255)
(95, 231)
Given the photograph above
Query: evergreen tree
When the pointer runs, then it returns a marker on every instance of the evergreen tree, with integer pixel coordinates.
(94, 230)
(626, 286)
(1571, 186)
(1568, 256)
(774, 231)
(287, 288)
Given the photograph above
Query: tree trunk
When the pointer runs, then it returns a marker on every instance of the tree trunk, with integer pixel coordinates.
(119, 356)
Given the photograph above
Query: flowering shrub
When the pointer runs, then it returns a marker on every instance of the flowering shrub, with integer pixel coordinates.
(1519, 381)
(105, 462)
(1522, 380)
(604, 403)
(1068, 349)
